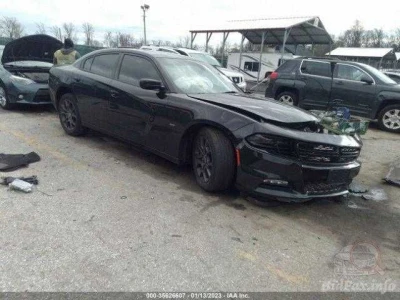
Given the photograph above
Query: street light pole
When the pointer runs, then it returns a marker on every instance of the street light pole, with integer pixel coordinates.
(144, 7)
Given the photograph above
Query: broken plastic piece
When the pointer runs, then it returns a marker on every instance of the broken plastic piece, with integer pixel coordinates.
(393, 177)
(12, 162)
(20, 185)
(8, 180)
(376, 195)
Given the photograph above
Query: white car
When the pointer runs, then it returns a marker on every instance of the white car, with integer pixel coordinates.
(236, 77)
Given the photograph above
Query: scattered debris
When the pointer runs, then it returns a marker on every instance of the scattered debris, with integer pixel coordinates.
(237, 240)
(176, 236)
(12, 162)
(393, 177)
(31, 180)
(358, 188)
(376, 194)
(124, 197)
(20, 185)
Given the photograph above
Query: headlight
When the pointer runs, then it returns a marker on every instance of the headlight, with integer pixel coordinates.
(21, 80)
(272, 144)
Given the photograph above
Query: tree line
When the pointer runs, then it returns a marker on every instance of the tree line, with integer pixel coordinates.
(356, 36)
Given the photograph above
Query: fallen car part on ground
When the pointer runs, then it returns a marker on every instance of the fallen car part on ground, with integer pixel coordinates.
(393, 177)
(376, 194)
(12, 162)
(20, 185)
(31, 180)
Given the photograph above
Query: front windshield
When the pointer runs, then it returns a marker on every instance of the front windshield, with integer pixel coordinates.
(381, 76)
(206, 58)
(193, 77)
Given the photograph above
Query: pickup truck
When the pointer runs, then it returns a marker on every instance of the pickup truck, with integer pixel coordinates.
(323, 84)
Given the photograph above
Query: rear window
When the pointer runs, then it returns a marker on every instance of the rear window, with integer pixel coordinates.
(316, 68)
(104, 65)
(288, 66)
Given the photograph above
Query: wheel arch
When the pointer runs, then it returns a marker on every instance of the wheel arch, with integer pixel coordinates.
(62, 90)
(186, 142)
(282, 89)
(384, 104)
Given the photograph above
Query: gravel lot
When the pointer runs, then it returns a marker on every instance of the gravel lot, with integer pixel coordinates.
(109, 217)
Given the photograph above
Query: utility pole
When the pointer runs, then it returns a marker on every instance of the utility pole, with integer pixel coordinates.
(144, 7)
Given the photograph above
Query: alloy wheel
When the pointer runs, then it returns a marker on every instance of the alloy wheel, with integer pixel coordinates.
(391, 119)
(3, 99)
(68, 114)
(203, 160)
(287, 100)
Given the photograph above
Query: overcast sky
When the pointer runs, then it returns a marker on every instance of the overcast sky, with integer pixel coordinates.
(171, 19)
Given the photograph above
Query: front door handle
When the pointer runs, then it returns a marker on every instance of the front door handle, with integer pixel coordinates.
(114, 94)
(76, 79)
(339, 82)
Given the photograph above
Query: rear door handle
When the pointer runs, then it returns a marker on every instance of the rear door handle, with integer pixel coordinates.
(77, 79)
(339, 82)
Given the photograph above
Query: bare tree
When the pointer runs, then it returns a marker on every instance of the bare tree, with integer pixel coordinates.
(353, 37)
(108, 39)
(11, 27)
(70, 31)
(56, 32)
(378, 37)
(41, 28)
(125, 40)
(88, 30)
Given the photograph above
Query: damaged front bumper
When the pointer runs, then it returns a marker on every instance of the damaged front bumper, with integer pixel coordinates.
(263, 174)
(33, 94)
(300, 167)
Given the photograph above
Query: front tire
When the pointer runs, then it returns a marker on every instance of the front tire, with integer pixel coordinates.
(288, 98)
(69, 116)
(4, 101)
(213, 160)
(389, 118)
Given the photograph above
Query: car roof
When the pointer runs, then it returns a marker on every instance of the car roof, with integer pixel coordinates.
(392, 73)
(187, 50)
(156, 54)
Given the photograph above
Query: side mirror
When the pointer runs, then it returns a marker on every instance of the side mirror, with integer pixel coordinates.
(151, 84)
(367, 80)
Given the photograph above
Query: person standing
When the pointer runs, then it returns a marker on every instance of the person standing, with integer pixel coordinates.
(66, 55)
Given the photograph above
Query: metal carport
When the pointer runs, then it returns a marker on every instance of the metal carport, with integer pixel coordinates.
(274, 31)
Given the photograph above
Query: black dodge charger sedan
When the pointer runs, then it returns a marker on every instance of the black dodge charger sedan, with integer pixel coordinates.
(189, 113)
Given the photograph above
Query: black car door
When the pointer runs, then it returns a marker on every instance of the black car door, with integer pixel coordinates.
(91, 86)
(350, 91)
(316, 77)
(136, 114)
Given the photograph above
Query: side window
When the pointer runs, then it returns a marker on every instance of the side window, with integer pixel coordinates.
(287, 66)
(88, 64)
(349, 73)
(135, 68)
(316, 68)
(251, 66)
(104, 65)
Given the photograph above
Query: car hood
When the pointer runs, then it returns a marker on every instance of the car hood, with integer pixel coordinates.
(230, 73)
(268, 110)
(38, 47)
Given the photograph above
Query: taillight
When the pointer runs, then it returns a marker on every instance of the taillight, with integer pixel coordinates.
(274, 75)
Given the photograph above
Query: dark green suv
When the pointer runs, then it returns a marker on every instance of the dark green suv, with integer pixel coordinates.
(325, 83)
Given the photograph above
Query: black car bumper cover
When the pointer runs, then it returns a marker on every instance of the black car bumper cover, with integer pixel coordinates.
(305, 181)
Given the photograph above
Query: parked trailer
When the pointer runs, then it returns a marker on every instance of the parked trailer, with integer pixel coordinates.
(250, 65)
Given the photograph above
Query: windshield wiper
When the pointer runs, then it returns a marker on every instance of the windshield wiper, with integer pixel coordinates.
(231, 92)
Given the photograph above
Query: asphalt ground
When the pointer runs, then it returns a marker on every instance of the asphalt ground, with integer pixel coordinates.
(109, 217)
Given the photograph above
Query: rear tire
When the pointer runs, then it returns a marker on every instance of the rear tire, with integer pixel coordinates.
(288, 98)
(389, 118)
(69, 116)
(4, 102)
(213, 160)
